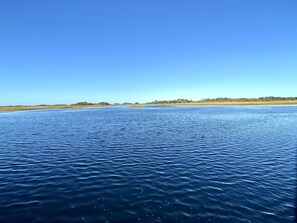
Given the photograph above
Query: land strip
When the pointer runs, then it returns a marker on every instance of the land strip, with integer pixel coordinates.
(131, 105)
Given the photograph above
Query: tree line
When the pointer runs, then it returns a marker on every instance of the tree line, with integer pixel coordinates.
(89, 103)
(223, 99)
(185, 101)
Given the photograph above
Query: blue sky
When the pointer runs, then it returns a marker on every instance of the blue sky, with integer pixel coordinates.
(64, 51)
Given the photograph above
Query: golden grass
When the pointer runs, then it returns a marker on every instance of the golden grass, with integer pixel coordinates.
(42, 107)
(291, 102)
(136, 106)
(22, 108)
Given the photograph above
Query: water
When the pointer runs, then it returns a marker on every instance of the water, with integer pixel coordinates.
(170, 164)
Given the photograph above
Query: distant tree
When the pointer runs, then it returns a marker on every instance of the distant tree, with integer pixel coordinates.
(102, 103)
(83, 103)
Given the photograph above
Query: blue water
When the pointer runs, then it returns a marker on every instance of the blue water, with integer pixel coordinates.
(155, 164)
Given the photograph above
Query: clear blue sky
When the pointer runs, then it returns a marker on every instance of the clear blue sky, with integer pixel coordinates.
(64, 51)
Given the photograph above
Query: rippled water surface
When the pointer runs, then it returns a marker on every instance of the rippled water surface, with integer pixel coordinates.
(155, 164)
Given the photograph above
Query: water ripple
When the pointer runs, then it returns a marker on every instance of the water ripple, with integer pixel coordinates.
(183, 164)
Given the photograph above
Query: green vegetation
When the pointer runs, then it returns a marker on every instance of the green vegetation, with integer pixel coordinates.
(184, 102)
(85, 103)
(227, 100)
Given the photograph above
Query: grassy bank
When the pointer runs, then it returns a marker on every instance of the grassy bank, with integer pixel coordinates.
(291, 102)
(136, 106)
(42, 107)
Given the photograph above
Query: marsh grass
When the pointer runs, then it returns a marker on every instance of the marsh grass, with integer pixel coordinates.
(136, 106)
(291, 102)
(42, 107)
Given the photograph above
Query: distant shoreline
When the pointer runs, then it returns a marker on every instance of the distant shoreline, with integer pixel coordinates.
(44, 107)
(231, 103)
